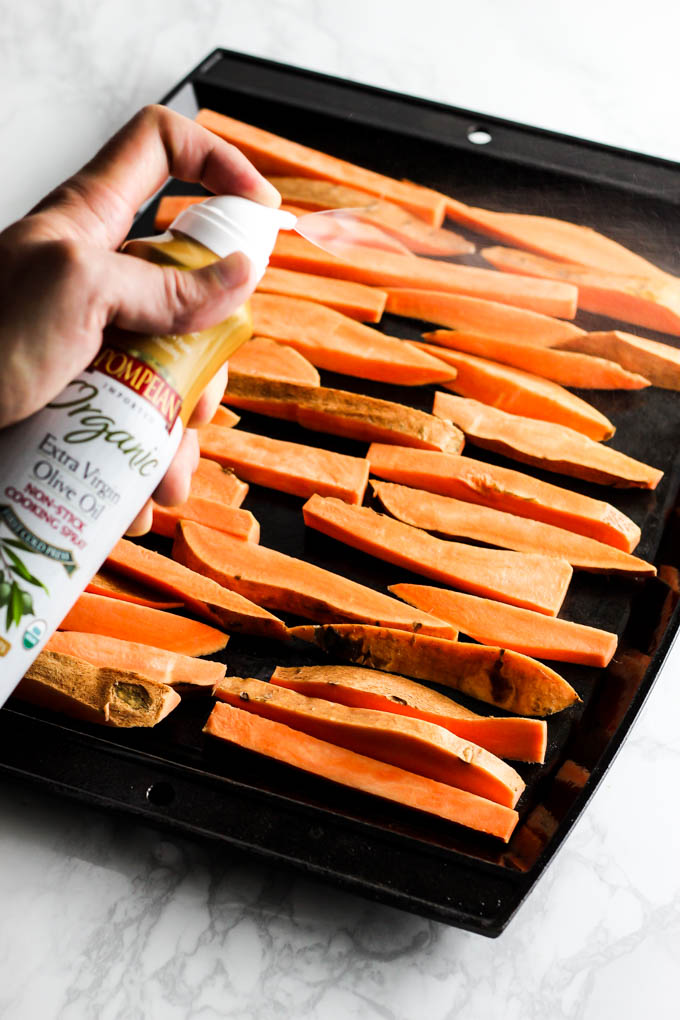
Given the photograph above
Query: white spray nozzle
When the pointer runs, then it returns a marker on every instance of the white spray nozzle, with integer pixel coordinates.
(229, 223)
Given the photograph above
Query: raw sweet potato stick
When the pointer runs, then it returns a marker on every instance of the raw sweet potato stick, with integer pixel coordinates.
(414, 744)
(545, 444)
(568, 368)
(288, 467)
(448, 516)
(505, 489)
(97, 614)
(283, 582)
(359, 772)
(115, 586)
(479, 317)
(509, 737)
(357, 300)
(335, 342)
(183, 672)
(659, 362)
(386, 269)
(107, 695)
(344, 413)
(267, 359)
(523, 393)
(493, 623)
(522, 579)
(506, 679)
(652, 302)
(200, 595)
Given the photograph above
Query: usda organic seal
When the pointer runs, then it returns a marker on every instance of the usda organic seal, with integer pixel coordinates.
(33, 633)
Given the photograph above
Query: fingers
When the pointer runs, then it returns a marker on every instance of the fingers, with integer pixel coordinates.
(147, 298)
(99, 202)
(174, 488)
(142, 522)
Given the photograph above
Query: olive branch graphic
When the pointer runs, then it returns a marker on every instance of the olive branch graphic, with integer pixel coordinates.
(17, 600)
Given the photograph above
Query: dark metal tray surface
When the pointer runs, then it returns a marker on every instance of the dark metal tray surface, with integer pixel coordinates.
(176, 778)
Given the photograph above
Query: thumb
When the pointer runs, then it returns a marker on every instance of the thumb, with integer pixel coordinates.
(147, 298)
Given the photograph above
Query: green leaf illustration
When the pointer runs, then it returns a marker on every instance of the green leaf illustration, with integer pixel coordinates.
(17, 603)
(17, 544)
(14, 605)
(19, 568)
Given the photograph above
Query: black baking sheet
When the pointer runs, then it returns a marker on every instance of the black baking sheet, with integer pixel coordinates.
(172, 776)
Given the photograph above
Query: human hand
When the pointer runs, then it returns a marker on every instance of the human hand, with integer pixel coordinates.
(63, 282)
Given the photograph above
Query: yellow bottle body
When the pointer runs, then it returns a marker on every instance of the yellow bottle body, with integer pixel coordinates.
(186, 361)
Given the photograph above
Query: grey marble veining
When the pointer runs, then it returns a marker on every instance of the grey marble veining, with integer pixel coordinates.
(103, 918)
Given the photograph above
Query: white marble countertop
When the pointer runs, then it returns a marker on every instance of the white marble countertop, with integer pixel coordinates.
(101, 917)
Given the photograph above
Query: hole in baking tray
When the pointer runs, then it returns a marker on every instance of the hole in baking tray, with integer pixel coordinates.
(160, 794)
(478, 136)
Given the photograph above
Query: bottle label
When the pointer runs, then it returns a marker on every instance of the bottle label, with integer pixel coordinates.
(141, 378)
(74, 477)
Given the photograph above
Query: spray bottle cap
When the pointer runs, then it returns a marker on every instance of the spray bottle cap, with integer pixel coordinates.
(229, 223)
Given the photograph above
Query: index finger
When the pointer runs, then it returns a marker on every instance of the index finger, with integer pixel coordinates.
(100, 201)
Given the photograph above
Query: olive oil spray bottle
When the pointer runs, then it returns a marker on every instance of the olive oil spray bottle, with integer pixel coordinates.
(76, 474)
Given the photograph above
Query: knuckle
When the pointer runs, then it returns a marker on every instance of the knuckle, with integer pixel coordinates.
(183, 296)
(153, 116)
(149, 112)
(67, 261)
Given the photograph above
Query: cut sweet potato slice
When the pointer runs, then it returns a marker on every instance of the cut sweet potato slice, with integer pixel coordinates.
(283, 582)
(171, 206)
(413, 744)
(522, 393)
(202, 596)
(558, 239)
(215, 498)
(492, 623)
(184, 673)
(448, 516)
(106, 582)
(272, 154)
(386, 269)
(288, 467)
(267, 359)
(97, 614)
(110, 696)
(348, 768)
(343, 413)
(653, 302)
(478, 317)
(506, 679)
(234, 520)
(660, 363)
(568, 368)
(545, 444)
(357, 300)
(522, 579)
(517, 738)
(213, 481)
(394, 220)
(335, 342)
(504, 489)
(225, 418)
